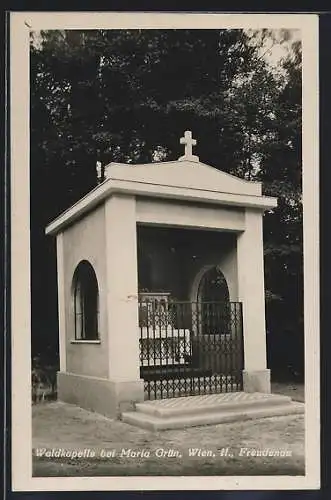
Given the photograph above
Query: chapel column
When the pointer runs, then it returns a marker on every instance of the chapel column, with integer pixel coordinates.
(122, 298)
(256, 376)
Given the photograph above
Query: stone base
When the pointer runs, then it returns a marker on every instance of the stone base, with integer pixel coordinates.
(191, 411)
(100, 395)
(257, 381)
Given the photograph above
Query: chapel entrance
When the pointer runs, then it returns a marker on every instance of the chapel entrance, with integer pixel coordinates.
(184, 351)
(190, 343)
(217, 345)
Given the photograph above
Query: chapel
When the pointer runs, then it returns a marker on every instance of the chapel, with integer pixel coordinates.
(161, 286)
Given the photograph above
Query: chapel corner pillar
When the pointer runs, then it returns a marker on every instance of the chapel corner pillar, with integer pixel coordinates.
(256, 376)
(122, 298)
(61, 302)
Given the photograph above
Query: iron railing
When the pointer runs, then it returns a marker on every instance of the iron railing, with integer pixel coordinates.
(190, 347)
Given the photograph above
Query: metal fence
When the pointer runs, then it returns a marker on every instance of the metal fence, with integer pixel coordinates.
(189, 348)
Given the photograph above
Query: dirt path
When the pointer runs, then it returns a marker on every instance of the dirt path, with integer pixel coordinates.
(110, 447)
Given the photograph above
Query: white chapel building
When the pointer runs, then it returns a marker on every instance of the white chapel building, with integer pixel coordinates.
(161, 286)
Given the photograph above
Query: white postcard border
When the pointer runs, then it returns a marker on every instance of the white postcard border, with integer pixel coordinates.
(20, 25)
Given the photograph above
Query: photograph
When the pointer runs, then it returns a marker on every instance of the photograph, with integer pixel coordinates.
(165, 242)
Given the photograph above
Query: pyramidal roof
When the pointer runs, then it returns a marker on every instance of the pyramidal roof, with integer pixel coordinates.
(185, 179)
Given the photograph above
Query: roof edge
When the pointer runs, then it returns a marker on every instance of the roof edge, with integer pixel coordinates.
(165, 163)
(122, 186)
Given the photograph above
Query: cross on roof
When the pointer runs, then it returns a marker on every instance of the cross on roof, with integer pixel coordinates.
(189, 143)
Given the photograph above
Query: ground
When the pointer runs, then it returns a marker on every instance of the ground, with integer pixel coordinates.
(225, 449)
(295, 391)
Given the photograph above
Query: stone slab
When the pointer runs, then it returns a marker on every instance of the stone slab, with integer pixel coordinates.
(167, 408)
(154, 423)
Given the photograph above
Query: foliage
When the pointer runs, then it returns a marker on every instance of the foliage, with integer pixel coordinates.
(43, 380)
(128, 95)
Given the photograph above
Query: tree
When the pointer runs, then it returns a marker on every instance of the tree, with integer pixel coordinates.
(282, 169)
(90, 85)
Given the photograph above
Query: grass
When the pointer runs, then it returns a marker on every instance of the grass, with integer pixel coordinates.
(61, 426)
(295, 391)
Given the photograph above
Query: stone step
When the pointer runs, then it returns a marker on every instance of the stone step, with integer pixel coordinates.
(193, 405)
(155, 423)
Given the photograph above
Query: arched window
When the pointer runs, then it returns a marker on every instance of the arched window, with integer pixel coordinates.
(86, 302)
(213, 286)
(214, 303)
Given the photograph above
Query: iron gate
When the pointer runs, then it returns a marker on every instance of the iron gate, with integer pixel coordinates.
(189, 348)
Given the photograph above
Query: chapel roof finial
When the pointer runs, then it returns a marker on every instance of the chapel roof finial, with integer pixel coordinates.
(99, 170)
(189, 143)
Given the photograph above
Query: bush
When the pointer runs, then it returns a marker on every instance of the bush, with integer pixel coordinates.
(43, 381)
